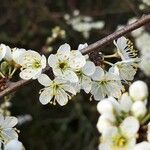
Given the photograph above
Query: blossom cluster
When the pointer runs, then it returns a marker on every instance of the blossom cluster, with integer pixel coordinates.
(121, 120)
(83, 24)
(73, 71)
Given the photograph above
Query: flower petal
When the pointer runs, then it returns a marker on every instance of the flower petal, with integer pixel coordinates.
(64, 51)
(130, 126)
(89, 68)
(98, 74)
(61, 97)
(44, 80)
(46, 96)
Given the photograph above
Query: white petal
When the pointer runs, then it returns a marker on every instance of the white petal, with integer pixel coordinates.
(125, 102)
(8, 55)
(61, 97)
(1, 119)
(138, 90)
(9, 122)
(105, 122)
(138, 109)
(81, 46)
(46, 96)
(27, 74)
(14, 145)
(98, 91)
(142, 146)
(86, 84)
(44, 80)
(89, 68)
(63, 51)
(70, 76)
(17, 54)
(53, 60)
(130, 126)
(43, 61)
(98, 74)
(76, 59)
(105, 106)
(69, 89)
(3, 50)
(9, 134)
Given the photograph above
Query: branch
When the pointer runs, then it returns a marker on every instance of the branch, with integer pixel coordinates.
(99, 44)
(108, 39)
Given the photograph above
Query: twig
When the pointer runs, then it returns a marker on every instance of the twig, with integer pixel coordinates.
(99, 44)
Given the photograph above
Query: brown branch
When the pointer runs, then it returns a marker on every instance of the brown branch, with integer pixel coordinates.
(99, 44)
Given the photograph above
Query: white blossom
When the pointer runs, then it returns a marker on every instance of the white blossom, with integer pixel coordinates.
(105, 83)
(121, 138)
(138, 90)
(125, 69)
(66, 62)
(125, 48)
(55, 90)
(32, 64)
(7, 132)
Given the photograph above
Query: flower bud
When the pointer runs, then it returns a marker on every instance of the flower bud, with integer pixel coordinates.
(105, 106)
(138, 109)
(105, 122)
(138, 90)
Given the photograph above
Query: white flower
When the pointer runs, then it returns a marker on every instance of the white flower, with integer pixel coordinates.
(17, 53)
(55, 90)
(138, 109)
(125, 48)
(4, 51)
(105, 122)
(84, 74)
(66, 62)
(14, 145)
(138, 90)
(32, 64)
(7, 132)
(142, 146)
(105, 83)
(121, 138)
(125, 69)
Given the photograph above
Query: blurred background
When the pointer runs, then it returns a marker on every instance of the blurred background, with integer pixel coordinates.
(43, 25)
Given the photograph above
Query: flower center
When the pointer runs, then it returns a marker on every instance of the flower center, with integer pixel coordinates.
(63, 65)
(36, 64)
(119, 141)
